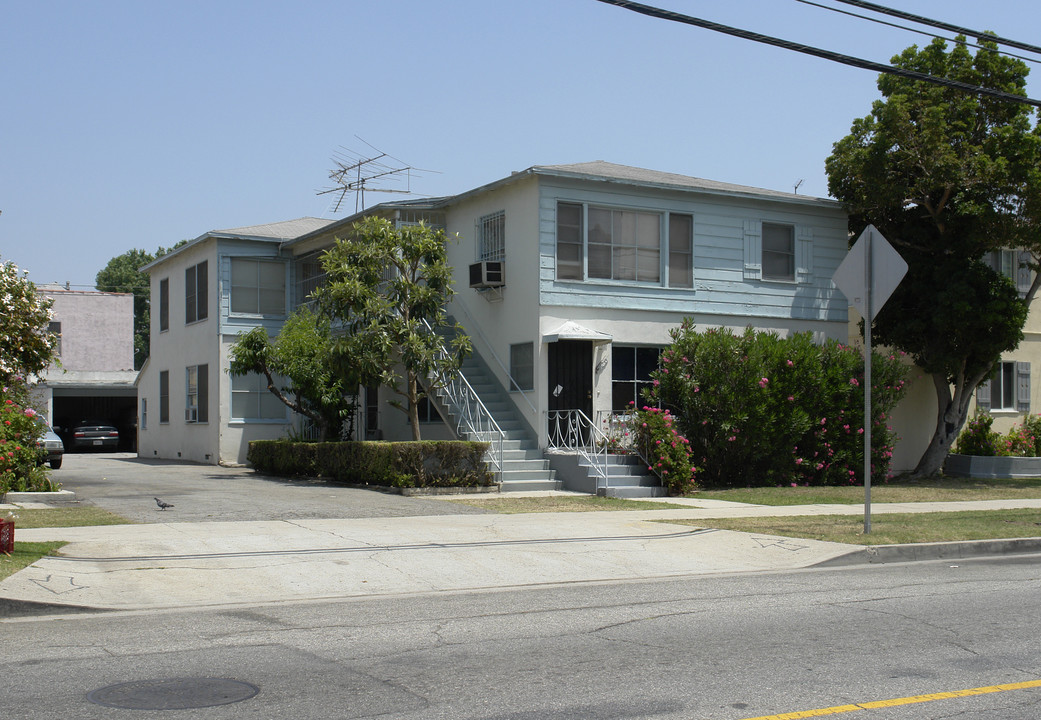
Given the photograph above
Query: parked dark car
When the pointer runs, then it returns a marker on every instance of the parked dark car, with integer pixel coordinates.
(94, 435)
(51, 448)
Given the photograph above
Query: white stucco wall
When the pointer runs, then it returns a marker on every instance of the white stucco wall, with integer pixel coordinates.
(97, 329)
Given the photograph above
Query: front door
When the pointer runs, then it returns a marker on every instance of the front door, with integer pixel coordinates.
(570, 385)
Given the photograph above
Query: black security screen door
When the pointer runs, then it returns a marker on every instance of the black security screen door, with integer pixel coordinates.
(571, 369)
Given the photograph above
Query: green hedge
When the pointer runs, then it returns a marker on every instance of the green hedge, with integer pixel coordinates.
(393, 464)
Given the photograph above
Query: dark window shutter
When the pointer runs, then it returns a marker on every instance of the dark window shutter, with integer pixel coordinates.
(201, 283)
(983, 395)
(204, 393)
(1023, 387)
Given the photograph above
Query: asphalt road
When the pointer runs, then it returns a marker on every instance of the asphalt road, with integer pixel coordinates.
(126, 485)
(708, 648)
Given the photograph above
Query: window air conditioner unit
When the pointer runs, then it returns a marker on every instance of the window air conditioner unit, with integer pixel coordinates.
(488, 274)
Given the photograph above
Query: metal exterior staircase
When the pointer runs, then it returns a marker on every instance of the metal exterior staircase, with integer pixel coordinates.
(523, 466)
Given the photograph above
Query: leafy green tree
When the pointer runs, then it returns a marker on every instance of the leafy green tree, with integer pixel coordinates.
(303, 370)
(948, 176)
(123, 274)
(388, 286)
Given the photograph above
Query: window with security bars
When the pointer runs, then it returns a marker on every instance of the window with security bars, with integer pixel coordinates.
(491, 234)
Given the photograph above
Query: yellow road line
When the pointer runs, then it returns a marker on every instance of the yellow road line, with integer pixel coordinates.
(901, 701)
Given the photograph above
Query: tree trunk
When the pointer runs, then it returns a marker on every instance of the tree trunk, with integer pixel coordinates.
(413, 404)
(952, 411)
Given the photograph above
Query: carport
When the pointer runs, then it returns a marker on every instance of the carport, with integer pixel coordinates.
(110, 397)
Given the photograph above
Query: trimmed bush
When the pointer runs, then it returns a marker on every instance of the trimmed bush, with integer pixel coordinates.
(759, 409)
(401, 464)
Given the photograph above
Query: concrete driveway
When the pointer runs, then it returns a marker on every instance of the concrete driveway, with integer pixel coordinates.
(127, 485)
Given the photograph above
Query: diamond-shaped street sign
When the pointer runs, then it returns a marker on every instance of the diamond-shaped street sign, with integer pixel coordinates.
(887, 269)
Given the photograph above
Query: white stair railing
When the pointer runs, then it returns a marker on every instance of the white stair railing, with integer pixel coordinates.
(572, 431)
(471, 417)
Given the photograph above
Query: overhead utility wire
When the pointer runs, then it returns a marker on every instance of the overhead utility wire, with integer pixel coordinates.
(817, 52)
(879, 21)
(940, 24)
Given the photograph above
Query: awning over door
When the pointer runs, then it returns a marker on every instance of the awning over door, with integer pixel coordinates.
(571, 330)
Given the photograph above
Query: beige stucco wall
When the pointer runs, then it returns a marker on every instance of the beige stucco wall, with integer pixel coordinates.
(97, 329)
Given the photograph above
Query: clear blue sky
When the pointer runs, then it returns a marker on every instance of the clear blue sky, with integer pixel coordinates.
(137, 124)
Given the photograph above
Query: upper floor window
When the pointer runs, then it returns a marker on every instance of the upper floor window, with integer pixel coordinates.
(491, 236)
(778, 252)
(164, 304)
(570, 242)
(624, 245)
(195, 296)
(681, 250)
(310, 275)
(603, 243)
(54, 328)
(258, 287)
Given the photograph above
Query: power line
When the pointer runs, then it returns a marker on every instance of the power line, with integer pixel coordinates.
(818, 52)
(940, 24)
(879, 21)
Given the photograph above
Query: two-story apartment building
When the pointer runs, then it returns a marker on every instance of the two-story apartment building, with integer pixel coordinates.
(203, 294)
(568, 278)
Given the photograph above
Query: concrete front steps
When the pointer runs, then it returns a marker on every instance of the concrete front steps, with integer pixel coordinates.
(627, 476)
(524, 467)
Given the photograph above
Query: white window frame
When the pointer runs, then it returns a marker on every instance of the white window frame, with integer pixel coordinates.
(1007, 390)
(771, 251)
(677, 252)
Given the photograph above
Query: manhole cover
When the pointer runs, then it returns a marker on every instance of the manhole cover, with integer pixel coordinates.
(175, 694)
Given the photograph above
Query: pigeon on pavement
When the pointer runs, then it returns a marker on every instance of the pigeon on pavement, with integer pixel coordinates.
(162, 505)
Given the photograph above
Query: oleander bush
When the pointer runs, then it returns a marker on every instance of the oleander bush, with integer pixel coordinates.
(979, 438)
(759, 409)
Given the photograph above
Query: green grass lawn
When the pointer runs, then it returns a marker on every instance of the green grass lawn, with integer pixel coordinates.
(889, 529)
(934, 490)
(66, 517)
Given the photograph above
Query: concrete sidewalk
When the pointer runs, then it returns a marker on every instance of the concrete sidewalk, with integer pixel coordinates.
(174, 564)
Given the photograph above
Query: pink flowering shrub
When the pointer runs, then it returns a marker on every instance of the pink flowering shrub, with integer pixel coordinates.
(759, 409)
(656, 436)
(20, 430)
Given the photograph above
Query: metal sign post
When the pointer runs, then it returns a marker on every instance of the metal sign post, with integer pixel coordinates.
(867, 277)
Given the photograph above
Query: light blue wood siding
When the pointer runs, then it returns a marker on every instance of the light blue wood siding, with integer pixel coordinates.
(227, 249)
(727, 255)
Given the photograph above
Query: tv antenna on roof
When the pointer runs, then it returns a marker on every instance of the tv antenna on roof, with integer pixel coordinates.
(356, 173)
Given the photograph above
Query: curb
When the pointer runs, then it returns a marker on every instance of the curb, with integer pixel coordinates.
(10, 608)
(881, 554)
(60, 497)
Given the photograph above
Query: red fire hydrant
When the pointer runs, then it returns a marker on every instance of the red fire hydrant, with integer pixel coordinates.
(6, 536)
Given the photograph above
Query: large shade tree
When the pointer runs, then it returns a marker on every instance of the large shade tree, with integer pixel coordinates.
(389, 286)
(948, 177)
